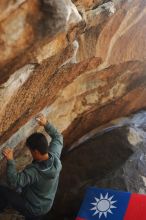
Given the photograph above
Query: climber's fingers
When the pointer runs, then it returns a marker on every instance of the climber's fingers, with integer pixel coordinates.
(8, 153)
(41, 119)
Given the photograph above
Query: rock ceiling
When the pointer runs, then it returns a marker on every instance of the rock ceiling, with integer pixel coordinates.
(82, 63)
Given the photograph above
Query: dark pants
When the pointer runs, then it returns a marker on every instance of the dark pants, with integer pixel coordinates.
(16, 201)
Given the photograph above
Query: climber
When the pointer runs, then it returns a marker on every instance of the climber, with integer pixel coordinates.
(39, 180)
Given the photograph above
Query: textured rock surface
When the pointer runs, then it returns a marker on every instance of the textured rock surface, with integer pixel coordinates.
(37, 63)
(81, 63)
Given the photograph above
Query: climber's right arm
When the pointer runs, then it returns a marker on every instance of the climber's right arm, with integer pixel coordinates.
(56, 143)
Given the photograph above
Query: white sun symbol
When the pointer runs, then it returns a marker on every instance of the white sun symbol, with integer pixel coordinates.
(103, 205)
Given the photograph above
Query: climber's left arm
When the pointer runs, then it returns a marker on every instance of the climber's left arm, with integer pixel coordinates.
(19, 179)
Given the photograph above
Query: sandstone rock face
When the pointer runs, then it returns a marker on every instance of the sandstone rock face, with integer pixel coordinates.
(82, 63)
(59, 65)
(117, 38)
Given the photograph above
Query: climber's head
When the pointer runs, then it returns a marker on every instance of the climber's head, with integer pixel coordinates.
(38, 145)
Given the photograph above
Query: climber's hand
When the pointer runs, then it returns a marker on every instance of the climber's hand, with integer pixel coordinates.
(41, 119)
(8, 153)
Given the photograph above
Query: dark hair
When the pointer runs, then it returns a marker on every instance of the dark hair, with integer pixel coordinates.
(37, 141)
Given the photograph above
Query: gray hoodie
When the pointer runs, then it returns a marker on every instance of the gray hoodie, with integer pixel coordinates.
(39, 180)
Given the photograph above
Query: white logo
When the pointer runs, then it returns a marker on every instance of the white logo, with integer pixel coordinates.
(103, 205)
